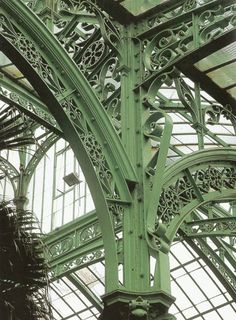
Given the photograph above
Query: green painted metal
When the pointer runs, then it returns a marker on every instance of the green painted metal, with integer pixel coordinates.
(74, 246)
(111, 146)
(192, 191)
(10, 171)
(210, 228)
(104, 90)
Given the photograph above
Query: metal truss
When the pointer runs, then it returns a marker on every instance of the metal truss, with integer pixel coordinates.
(101, 80)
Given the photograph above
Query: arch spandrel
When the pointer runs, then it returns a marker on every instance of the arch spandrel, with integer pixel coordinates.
(195, 180)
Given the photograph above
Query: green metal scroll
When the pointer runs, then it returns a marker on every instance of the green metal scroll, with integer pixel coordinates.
(212, 178)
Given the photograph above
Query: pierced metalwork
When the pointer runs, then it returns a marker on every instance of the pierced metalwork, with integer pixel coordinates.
(210, 227)
(113, 88)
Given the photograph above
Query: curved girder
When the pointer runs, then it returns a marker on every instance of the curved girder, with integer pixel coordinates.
(10, 171)
(37, 157)
(57, 72)
(203, 176)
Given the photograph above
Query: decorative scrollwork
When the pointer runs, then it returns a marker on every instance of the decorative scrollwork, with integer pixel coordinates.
(31, 53)
(89, 233)
(61, 247)
(72, 110)
(33, 108)
(177, 9)
(214, 112)
(168, 45)
(176, 196)
(186, 97)
(107, 28)
(217, 262)
(76, 263)
(189, 5)
(93, 54)
(94, 149)
(74, 240)
(215, 226)
(116, 211)
(34, 54)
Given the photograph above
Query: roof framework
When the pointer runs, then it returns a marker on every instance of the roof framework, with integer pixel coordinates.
(138, 99)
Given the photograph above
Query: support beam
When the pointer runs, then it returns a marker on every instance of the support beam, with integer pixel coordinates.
(210, 228)
(97, 303)
(74, 246)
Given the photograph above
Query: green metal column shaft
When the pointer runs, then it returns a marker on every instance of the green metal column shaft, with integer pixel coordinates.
(136, 256)
(20, 199)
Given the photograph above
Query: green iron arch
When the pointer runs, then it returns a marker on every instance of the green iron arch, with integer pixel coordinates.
(55, 77)
(196, 179)
(10, 172)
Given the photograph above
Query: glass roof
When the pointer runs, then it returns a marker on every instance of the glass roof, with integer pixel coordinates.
(9, 69)
(220, 67)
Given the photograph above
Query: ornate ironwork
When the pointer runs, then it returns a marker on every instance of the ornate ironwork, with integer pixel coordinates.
(176, 196)
(210, 227)
(106, 75)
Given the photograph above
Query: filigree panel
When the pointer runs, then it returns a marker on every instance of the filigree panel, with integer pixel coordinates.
(73, 241)
(92, 41)
(174, 42)
(213, 114)
(224, 226)
(183, 191)
(77, 263)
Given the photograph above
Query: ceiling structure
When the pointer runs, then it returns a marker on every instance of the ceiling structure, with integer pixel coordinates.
(137, 100)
